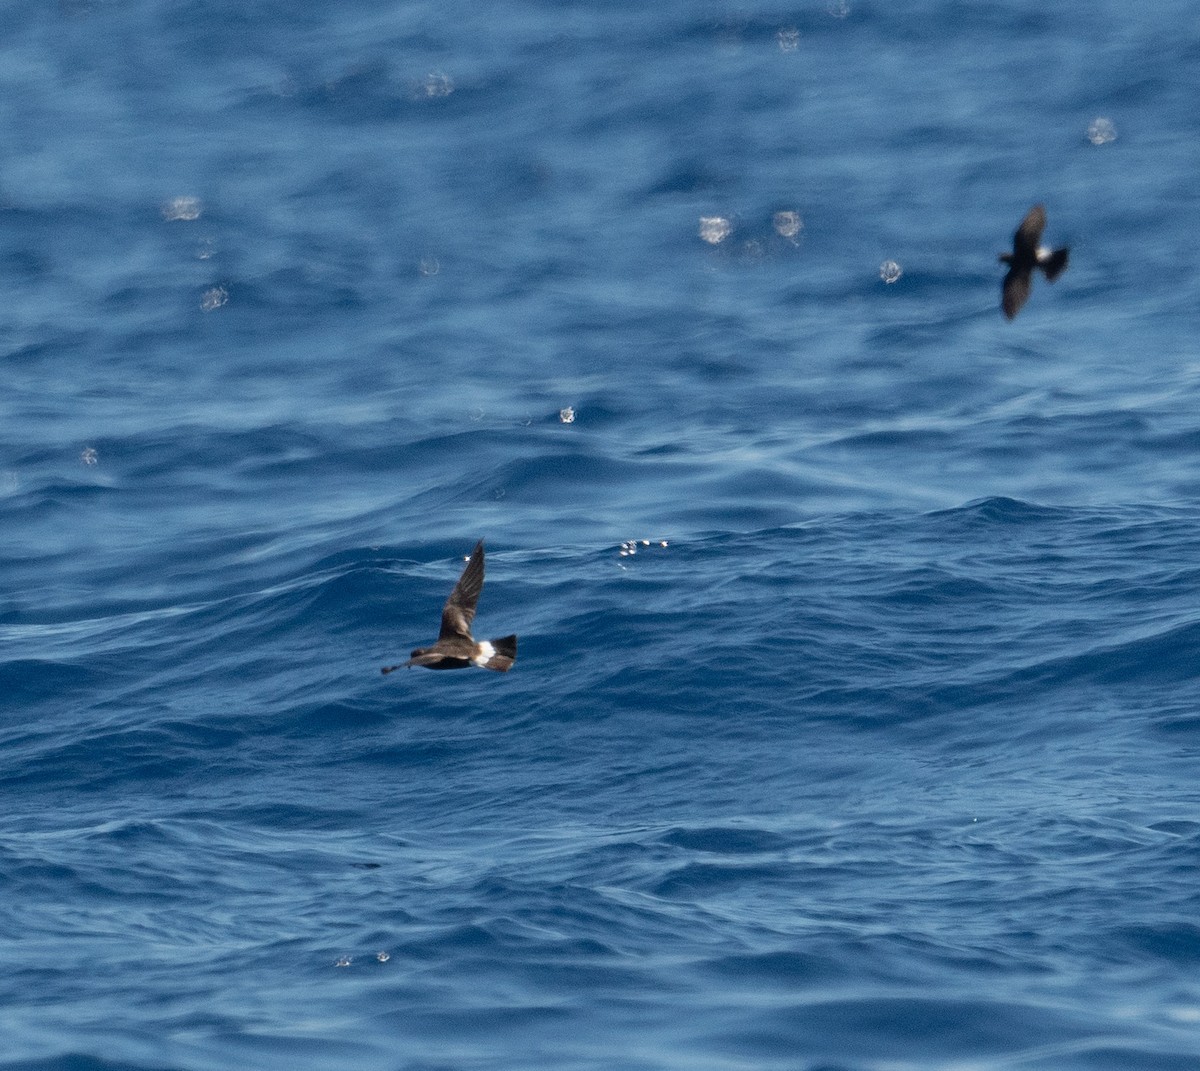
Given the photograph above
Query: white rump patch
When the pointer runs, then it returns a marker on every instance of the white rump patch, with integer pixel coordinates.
(486, 651)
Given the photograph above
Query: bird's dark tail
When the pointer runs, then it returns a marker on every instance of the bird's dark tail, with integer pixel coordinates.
(1054, 264)
(503, 656)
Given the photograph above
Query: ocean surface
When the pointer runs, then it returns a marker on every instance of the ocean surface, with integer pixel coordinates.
(856, 719)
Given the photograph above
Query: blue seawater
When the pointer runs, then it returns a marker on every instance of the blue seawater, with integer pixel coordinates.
(856, 723)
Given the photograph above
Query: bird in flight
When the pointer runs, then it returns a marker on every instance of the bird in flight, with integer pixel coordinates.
(1027, 255)
(456, 648)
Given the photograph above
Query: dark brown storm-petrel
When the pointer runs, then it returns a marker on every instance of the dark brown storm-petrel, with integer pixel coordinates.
(456, 648)
(1027, 254)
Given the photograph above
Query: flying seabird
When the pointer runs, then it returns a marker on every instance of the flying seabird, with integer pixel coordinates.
(1026, 256)
(456, 648)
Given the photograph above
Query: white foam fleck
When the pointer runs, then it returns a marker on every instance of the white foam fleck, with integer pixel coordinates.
(630, 547)
(1101, 131)
(181, 209)
(435, 84)
(787, 224)
(715, 229)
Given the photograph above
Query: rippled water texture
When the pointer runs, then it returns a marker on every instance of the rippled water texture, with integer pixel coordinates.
(856, 716)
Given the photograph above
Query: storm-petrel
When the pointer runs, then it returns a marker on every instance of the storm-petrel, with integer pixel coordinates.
(1026, 256)
(456, 648)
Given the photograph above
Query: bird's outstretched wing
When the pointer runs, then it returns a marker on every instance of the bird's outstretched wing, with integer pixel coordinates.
(1029, 233)
(1017, 285)
(459, 611)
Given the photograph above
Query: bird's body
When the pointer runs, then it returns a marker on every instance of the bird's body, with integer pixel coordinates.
(1028, 255)
(456, 648)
